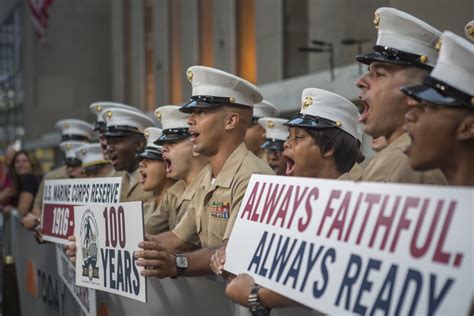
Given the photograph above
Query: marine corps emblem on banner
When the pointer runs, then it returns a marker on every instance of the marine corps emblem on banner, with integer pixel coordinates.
(89, 236)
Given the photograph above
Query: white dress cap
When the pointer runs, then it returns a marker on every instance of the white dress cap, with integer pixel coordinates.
(469, 30)
(73, 129)
(213, 87)
(323, 109)
(451, 82)
(152, 151)
(403, 39)
(174, 123)
(122, 122)
(276, 132)
(90, 155)
(275, 128)
(455, 63)
(265, 109)
(171, 118)
(97, 107)
(152, 134)
(69, 148)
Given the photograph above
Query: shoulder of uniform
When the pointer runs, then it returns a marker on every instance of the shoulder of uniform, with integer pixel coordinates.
(390, 166)
(150, 204)
(177, 188)
(57, 173)
(254, 164)
(392, 152)
(116, 173)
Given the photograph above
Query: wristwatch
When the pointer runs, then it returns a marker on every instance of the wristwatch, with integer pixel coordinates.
(181, 265)
(255, 306)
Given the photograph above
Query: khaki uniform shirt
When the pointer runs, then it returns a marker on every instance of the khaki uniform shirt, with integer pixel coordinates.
(366, 162)
(55, 174)
(212, 214)
(115, 173)
(132, 190)
(159, 215)
(392, 165)
(174, 205)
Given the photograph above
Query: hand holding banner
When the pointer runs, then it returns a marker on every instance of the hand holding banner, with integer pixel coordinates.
(363, 248)
(106, 237)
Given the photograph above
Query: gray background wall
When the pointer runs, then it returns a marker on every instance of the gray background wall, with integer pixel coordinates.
(84, 60)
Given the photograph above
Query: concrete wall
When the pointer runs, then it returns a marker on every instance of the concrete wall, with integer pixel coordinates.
(136, 77)
(225, 35)
(450, 15)
(6, 6)
(161, 57)
(333, 21)
(269, 37)
(84, 58)
(71, 69)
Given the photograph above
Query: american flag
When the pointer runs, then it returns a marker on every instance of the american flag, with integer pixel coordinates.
(39, 16)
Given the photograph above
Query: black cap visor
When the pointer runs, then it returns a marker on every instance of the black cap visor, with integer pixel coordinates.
(255, 119)
(172, 136)
(310, 121)
(73, 162)
(424, 93)
(438, 92)
(272, 144)
(150, 153)
(93, 168)
(74, 137)
(208, 102)
(121, 131)
(392, 56)
(100, 127)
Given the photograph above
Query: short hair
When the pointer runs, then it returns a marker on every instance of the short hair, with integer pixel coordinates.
(344, 145)
(245, 117)
(415, 75)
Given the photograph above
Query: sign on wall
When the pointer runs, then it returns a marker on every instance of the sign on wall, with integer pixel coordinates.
(106, 238)
(60, 197)
(362, 248)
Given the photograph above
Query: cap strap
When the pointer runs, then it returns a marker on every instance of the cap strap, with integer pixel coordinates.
(74, 137)
(447, 90)
(180, 131)
(397, 55)
(73, 162)
(118, 128)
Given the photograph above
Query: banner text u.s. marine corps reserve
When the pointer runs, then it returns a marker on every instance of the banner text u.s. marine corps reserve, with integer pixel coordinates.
(60, 197)
(363, 248)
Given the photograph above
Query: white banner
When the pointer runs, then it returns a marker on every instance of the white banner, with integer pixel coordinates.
(362, 248)
(84, 296)
(106, 237)
(42, 292)
(60, 197)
